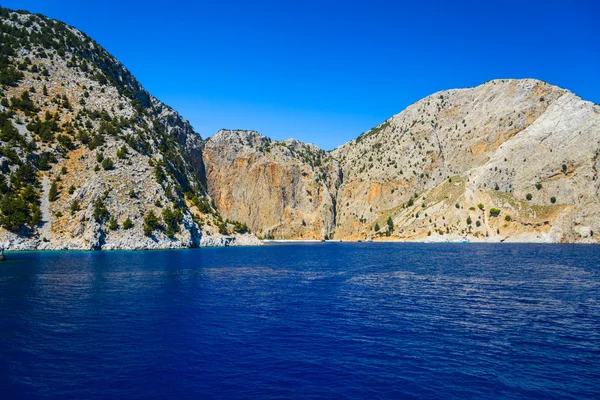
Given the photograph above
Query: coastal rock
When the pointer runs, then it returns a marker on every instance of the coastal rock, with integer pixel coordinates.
(506, 160)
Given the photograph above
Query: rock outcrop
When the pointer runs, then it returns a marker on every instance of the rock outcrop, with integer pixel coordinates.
(280, 189)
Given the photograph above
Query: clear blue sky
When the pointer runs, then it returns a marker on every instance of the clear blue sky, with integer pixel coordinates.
(324, 71)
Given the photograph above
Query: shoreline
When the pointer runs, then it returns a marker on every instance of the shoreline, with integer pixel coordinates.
(286, 242)
(313, 241)
(244, 242)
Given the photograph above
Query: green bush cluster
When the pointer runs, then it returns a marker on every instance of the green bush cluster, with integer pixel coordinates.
(127, 224)
(172, 218)
(494, 212)
(151, 223)
(17, 212)
(100, 211)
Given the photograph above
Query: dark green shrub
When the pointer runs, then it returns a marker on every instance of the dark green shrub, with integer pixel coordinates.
(107, 164)
(390, 224)
(150, 223)
(65, 142)
(202, 204)
(95, 142)
(9, 133)
(159, 174)
(53, 192)
(127, 224)
(100, 211)
(240, 227)
(122, 152)
(15, 212)
(112, 224)
(29, 194)
(222, 228)
(171, 221)
(36, 215)
(75, 207)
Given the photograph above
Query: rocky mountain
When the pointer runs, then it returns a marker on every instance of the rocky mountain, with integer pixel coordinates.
(88, 158)
(507, 160)
(510, 160)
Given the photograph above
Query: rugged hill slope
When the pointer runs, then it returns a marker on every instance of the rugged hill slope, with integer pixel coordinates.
(88, 158)
(507, 160)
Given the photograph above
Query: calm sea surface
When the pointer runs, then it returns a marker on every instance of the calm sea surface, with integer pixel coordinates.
(362, 321)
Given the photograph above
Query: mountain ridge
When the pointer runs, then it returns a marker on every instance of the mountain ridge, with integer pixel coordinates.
(529, 99)
(90, 159)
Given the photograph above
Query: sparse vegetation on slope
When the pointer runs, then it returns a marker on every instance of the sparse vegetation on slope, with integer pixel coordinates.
(72, 115)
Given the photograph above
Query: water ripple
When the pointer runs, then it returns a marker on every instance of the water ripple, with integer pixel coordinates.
(322, 321)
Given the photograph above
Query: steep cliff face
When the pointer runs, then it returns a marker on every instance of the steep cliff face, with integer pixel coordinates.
(280, 189)
(88, 158)
(507, 160)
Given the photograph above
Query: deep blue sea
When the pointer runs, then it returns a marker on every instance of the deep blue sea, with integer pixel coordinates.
(362, 321)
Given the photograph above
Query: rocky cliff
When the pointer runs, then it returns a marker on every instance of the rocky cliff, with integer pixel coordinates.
(282, 189)
(510, 160)
(88, 158)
